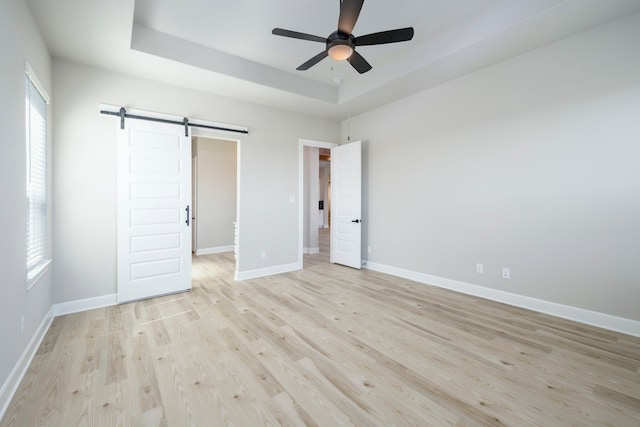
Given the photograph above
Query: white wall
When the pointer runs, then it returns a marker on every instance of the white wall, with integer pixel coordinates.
(531, 164)
(20, 41)
(85, 173)
(217, 188)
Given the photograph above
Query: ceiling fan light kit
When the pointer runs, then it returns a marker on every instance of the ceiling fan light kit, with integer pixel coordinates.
(341, 44)
(340, 52)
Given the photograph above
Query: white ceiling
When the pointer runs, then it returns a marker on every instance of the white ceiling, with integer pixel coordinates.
(226, 47)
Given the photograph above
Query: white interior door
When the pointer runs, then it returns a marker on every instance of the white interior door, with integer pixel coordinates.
(154, 198)
(346, 193)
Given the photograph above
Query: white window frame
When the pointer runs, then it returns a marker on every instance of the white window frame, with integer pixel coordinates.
(36, 101)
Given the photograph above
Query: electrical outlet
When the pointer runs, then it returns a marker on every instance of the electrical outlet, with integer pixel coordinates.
(479, 268)
(263, 254)
(368, 249)
(506, 273)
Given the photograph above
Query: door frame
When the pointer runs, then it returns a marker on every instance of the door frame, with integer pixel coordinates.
(194, 197)
(305, 143)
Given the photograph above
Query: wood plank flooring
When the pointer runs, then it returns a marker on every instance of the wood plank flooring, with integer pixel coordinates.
(326, 346)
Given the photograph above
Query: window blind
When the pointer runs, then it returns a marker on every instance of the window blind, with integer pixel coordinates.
(36, 144)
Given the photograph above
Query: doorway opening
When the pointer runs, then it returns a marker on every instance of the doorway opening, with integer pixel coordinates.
(314, 198)
(215, 195)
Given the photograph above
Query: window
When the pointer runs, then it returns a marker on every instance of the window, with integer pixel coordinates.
(36, 100)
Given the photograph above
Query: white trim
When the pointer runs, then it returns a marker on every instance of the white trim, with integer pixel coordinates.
(34, 276)
(311, 251)
(589, 317)
(236, 223)
(85, 304)
(304, 143)
(34, 79)
(214, 250)
(194, 198)
(10, 386)
(268, 271)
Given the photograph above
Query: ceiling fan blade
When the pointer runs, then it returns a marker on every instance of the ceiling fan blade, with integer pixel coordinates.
(349, 12)
(313, 61)
(383, 37)
(359, 63)
(297, 35)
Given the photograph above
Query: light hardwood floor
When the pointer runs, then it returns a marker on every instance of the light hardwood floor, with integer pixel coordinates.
(325, 346)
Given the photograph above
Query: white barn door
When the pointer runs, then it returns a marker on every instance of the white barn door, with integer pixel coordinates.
(346, 193)
(154, 202)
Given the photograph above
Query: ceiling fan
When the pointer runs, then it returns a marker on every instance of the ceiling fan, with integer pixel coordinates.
(341, 44)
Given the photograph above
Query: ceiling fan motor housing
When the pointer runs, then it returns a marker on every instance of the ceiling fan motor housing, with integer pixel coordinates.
(340, 45)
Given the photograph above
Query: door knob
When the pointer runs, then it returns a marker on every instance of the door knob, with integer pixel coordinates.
(357, 221)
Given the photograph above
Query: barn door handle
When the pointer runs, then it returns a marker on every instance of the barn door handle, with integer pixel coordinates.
(357, 221)
(187, 221)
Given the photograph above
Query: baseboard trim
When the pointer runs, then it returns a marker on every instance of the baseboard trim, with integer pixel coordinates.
(311, 251)
(84, 304)
(589, 317)
(269, 271)
(14, 379)
(214, 250)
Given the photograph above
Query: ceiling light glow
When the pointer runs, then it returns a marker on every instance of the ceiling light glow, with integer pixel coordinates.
(340, 52)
